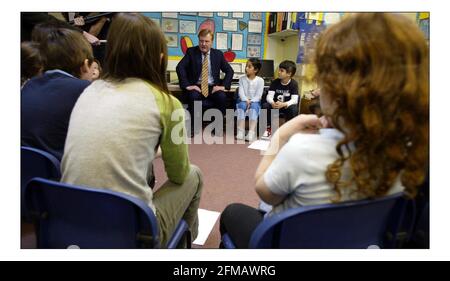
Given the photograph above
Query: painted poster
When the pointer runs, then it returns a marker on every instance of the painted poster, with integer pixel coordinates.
(253, 51)
(238, 15)
(256, 16)
(172, 40)
(187, 26)
(170, 15)
(236, 41)
(230, 25)
(254, 26)
(169, 25)
(222, 41)
(254, 39)
(207, 15)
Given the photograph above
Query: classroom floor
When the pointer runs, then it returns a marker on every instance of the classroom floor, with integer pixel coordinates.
(228, 176)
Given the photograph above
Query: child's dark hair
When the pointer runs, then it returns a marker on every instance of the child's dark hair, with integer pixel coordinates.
(98, 64)
(256, 64)
(30, 60)
(289, 66)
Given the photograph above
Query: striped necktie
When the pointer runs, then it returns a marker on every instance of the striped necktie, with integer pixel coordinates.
(205, 76)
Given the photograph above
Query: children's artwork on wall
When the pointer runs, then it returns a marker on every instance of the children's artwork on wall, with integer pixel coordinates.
(331, 18)
(169, 25)
(185, 43)
(242, 25)
(208, 24)
(308, 34)
(170, 15)
(237, 67)
(424, 25)
(222, 41)
(229, 55)
(424, 15)
(172, 40)
(236, 42)
(207, 15)
(256, 16)
(188, 14)
(255, 26)
(182, 33)
(238, 15)
(253, 51)
(254, 39)
(187, 26)
(229, 25)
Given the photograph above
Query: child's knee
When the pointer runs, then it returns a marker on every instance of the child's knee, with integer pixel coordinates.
(196, 173)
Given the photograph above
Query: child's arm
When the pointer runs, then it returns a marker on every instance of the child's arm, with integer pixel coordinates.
(271, 93)
(259, 91)
(242, 90)
(301, 123)
(293, 89)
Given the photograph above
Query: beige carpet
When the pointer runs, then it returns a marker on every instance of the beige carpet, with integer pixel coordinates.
(228, 171)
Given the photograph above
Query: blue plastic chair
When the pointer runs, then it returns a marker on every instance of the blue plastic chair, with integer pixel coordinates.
(414, 229)
(74, 216)
(348, 225)
(421, 236)
(36, 163)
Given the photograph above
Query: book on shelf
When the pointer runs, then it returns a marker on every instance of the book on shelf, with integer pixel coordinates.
(281, 21)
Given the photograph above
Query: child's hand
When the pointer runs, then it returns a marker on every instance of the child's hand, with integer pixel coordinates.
(91, 38)
(304, 123)
(277, 105)
(326, 122)
(78, 21)
(248, 105)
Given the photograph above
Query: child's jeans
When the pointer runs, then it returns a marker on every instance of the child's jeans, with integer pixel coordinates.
(253, 111)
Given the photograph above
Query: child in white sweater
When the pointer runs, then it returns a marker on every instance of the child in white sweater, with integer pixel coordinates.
(249, 103)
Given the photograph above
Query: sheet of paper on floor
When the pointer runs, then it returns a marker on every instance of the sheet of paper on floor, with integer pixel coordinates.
(260, 145)
(206, 221)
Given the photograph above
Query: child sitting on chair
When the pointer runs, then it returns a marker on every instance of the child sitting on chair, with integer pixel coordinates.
(249, 102)
(372, 69)
(282, 95)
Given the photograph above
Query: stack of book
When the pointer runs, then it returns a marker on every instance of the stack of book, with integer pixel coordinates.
(284, 21)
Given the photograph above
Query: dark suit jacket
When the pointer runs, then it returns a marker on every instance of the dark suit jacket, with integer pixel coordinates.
(189, 68)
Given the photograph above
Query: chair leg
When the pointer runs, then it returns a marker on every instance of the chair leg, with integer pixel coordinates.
(188, 240)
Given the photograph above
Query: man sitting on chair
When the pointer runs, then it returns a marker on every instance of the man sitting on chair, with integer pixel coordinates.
(199, 75)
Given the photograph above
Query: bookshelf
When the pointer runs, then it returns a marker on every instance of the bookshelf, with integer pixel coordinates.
(283, 24)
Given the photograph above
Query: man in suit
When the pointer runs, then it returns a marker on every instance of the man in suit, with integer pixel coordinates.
(199, 75)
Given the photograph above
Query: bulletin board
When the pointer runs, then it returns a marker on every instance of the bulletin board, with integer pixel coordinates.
(423, 19)
(239, 35)
(310, 26)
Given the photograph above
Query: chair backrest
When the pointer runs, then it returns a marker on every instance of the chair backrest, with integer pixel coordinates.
(421, 236)
(348, 225)
(74, 216)
(36, 163)
(414, 229)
